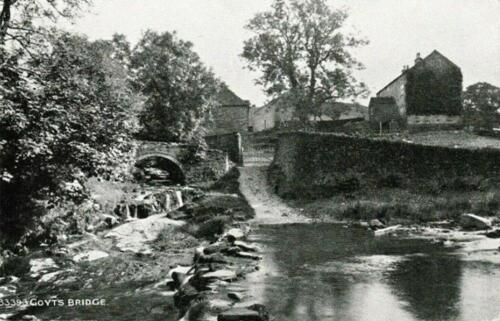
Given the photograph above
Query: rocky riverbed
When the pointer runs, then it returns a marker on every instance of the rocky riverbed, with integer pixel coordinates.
(180, 264)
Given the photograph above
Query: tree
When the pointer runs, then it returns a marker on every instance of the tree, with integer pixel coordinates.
(64, 117)
(482, 101)
(178, 89)
(18, 18)
(301, 49)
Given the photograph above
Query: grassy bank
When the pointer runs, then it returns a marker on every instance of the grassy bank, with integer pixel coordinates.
(401, 205)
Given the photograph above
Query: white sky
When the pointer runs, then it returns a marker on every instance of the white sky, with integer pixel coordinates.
(466, 31)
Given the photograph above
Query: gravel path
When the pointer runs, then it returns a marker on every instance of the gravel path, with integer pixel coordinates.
(269, 208)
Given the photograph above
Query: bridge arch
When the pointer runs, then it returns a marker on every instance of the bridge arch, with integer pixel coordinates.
(165, 162)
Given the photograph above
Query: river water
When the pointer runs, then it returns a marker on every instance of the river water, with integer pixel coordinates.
(328, 272)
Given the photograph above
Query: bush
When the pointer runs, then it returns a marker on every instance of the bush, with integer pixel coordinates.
(211, 228)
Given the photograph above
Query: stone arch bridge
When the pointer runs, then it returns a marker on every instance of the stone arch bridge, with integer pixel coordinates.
(170, 156)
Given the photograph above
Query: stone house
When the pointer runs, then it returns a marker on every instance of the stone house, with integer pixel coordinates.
(232, 114)
(427, 95)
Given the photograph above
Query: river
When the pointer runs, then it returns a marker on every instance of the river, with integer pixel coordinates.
(328, 272)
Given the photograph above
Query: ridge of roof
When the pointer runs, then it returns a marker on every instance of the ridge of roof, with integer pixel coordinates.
(434, 52)
(228, 98)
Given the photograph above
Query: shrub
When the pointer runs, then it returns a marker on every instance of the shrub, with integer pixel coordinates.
(211, 228)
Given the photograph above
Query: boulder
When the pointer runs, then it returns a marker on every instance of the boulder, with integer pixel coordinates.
(186, 294)
(387, 230)
(235, 234)
(247, 246)
(213, 258)
(255, 312)
(235, 296)
(217, 247)
(90, 256)
(376, 224)
(239, 314)
(474, 222)
(7, 290)
(248, 255)
(495, 234)
(39, 266)
(49, 277)
(224, 275)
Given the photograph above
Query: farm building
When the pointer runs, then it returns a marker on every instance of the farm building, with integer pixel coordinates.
(231, 114)
(427, 95)
(276, 114)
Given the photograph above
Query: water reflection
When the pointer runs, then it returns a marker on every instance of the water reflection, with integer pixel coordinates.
(430, 284)
(325, 272)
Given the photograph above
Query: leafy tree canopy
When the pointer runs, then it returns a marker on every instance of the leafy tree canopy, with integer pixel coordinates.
(178, 88)
(483, 97)
(64, 116)
(302, 49)
(482, 101)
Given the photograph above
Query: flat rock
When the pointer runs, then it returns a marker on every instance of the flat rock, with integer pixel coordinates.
(135, 236)
(37, 266)
(90, 256)
(235, 296)
(376, 224)
(495, 234)
(49, 277)
(7, 290)
(239, 314)
(213, 258)
(247, 246)
(224, 275)
(235, 234)
(179, 269)
(216, 247)
(471, 221)
(387, 230)
(249, 255)
(220, 305)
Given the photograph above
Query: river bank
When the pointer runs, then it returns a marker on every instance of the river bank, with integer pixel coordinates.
(163, 267)
(320, 267)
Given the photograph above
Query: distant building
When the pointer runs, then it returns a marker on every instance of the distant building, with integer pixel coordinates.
(231, 115)
(384, 113)
(276, 114)
(426, 95)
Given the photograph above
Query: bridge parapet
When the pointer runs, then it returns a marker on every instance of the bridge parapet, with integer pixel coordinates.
(160, 148)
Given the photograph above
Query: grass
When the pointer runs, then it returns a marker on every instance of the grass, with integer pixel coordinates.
(400, 205)
(458, 139)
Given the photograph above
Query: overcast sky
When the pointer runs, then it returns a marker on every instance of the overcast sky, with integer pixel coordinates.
(466, 31)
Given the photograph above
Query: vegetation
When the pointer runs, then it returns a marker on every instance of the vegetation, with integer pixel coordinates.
(428, 91)
(481, 105)
(178, 88)
(303, 51)
(65, 113)
(70, 107)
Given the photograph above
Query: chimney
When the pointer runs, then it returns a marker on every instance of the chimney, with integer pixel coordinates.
(405, 68)
(418, 59)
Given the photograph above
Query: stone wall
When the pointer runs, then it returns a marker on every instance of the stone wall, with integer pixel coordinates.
(229, 143)
(213, 167)
(319, 161)
(433, 122)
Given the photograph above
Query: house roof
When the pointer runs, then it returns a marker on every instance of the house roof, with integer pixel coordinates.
(228, 98)
(432, 54)
(382, 101)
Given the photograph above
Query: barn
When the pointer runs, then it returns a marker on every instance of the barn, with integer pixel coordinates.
(427, 95)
